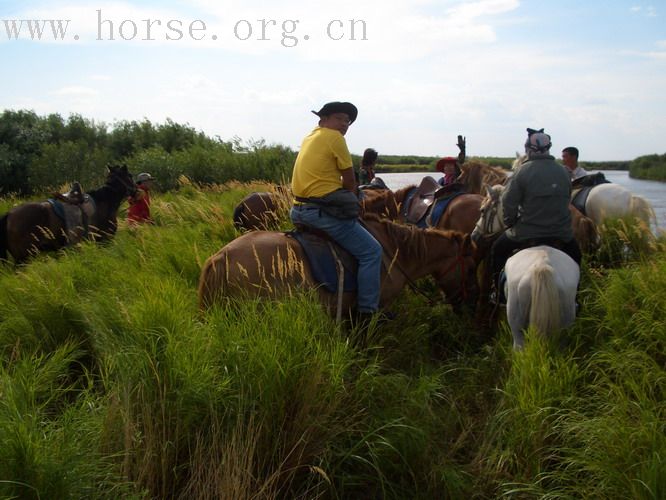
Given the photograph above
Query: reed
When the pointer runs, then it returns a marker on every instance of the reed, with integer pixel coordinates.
(113, 383)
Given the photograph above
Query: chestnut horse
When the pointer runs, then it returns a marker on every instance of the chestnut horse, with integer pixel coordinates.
(461, 213)
(273, 265)
(476, 174)
(31, 228)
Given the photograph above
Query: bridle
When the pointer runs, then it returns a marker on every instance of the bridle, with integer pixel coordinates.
(130, 186)
(488, 215)
(458, 261)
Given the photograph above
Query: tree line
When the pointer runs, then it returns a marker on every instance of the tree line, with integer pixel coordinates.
(44, 152)
(39, 153)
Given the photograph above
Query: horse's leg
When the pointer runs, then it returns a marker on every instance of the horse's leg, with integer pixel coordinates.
(517, 310)
(3, 238)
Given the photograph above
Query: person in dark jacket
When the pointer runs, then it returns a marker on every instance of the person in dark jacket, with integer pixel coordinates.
(536, 206)
(368, 162)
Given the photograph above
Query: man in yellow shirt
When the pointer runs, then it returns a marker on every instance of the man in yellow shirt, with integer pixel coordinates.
(324, 165)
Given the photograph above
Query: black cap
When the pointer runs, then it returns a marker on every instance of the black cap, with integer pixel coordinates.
(338, 107)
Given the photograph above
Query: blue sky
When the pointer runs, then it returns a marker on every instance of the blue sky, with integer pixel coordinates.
(592, 73)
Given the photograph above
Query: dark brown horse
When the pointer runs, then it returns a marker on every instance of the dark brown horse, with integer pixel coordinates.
(262, 210)
(31, 228)
(273, 265)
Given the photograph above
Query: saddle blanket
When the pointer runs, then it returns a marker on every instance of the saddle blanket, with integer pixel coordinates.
(582, 188)
(322, 263)
(74, 217)
(439, 208)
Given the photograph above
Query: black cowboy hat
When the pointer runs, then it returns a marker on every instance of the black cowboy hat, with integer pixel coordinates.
(338, 107)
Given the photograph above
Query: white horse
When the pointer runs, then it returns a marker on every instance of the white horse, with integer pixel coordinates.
(541, 284)
(610, 201)
(607, 201)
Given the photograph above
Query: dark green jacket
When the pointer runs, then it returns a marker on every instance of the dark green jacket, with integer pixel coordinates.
(536, 201)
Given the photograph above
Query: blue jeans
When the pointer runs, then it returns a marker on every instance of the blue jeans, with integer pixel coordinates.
(354, 238)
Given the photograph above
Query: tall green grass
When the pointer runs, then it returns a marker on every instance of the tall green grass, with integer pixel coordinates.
(113, 383)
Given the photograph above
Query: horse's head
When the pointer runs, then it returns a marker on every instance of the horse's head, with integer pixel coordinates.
(381, 202)
(476, 173)
(457, 278)
(491, 220)
(520, 159)
(120, 179)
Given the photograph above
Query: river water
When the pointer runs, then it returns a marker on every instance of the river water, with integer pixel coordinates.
(653, 191)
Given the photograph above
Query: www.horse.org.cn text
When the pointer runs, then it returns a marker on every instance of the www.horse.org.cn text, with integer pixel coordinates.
(286, 32)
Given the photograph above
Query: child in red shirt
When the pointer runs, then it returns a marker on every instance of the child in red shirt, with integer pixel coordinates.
(139, 204)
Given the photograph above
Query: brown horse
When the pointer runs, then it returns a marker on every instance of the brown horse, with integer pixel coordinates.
(461, 213)
(31, 228)
(262, 210)
(272, 264)
(476, 174)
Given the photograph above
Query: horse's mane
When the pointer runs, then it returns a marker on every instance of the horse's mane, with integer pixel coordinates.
(520, 159)
(401, 194)
(482, 167)
(476, 173)
(415, 242)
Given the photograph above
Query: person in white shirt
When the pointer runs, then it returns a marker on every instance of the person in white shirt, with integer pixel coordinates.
(570, 160)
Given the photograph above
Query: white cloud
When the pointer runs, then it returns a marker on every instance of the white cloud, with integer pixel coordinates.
(76, 91)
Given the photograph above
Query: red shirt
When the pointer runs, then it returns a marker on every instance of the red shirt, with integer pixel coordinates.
(139, 206)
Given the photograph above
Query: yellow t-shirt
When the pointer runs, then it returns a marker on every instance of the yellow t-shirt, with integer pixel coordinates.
(319, 163)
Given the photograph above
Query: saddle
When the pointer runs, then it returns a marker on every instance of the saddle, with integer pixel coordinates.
(376, 184)
(581, 187)
(422, 199)
(74, 196)
(74, 214)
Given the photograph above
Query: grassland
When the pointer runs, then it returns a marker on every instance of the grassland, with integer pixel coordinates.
(114, 385)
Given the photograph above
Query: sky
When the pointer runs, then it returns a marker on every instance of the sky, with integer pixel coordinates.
(592, 73)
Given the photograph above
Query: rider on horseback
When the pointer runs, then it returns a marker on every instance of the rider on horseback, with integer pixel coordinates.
(536, 206)
(570, 161)
(323, 169)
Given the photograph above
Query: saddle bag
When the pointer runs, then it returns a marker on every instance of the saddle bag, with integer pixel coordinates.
(341, 204)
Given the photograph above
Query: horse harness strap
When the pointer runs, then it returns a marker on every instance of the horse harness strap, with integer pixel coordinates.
(341, 280)
(389, 263)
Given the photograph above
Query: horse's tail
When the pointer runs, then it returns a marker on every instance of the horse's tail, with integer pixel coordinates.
(3, 237)
(642, 209)
(586, 234)
(545, 300)
(211, 281)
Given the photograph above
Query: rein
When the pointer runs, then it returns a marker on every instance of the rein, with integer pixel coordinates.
(390, 263)
(130, 187)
